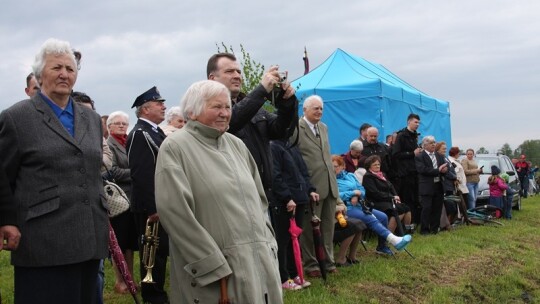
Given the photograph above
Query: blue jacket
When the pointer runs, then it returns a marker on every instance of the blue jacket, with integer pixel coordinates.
(347, 183)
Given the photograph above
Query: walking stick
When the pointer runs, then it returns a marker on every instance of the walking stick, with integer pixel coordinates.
(399, 226)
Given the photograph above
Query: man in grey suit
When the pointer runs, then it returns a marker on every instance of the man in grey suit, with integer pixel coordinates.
(51, 152)
(315, 150)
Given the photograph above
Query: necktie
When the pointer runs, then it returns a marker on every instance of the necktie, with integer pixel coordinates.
(433, 160)
(160, 131)
(316, 128)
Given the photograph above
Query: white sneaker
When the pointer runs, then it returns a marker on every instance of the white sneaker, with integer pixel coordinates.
(305, 284)
(290, 285)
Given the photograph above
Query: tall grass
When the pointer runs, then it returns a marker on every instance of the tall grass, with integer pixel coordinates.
(471, 264)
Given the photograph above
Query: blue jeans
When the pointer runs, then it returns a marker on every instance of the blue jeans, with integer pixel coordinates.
(377, 221)
(496, 201)
(473, 193)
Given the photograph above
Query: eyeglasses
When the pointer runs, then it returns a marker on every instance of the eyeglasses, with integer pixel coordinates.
(119, 123)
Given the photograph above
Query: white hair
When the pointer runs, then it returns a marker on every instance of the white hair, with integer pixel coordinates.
(311, 99)
(52, 46)
(114, 115)
(356, 145)
(427, 140)
(175, 111)
(198, 94)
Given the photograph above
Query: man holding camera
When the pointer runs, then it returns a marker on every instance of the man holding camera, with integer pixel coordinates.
(249, 121)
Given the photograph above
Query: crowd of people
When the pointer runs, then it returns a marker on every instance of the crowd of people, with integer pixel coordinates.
(222, 182)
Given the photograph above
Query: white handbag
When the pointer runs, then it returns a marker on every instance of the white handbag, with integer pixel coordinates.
(117, 200)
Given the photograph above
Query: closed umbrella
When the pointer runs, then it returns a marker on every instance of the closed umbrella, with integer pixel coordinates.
(120, 262)
(295, 232)
(318, 242)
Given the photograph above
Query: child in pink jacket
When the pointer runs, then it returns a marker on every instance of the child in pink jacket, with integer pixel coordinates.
(497, 186)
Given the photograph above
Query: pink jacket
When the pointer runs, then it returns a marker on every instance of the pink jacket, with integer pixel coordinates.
(496, 189)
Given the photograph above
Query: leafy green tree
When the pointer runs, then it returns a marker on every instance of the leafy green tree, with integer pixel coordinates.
(252, 71)
(482, 150)
(506, 150)
(531, 148)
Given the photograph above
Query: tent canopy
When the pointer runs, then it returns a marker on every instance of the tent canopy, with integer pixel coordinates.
(356, 91)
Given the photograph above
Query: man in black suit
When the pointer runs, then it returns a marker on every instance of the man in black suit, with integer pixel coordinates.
(405, 179)
(431, 167)
(142, 148)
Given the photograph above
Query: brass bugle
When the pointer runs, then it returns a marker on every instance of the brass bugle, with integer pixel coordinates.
(150, 241)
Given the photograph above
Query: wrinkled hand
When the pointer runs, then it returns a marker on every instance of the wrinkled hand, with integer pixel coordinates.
(291, 206)
(270, 78)
(9, 237)
(287, 89)
(443, 168)
(314, 196)
(341, 208)
(354, 200)
(397, 199)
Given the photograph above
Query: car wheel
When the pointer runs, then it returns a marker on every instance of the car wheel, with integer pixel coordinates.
(518, 204)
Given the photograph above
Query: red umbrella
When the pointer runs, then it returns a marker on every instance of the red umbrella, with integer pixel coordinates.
(295, 232)
(120, 262)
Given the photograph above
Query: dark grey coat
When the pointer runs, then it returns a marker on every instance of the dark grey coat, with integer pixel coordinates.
(56, 182)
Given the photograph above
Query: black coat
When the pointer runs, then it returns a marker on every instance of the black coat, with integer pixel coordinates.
(382, 151)
(403, 153)
(256, 127)
(378, 191)
(290, 175)
(142, 148)
(426, 172)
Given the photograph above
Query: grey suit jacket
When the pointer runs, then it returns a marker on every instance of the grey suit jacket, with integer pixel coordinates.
(316, 154)
(56, 182)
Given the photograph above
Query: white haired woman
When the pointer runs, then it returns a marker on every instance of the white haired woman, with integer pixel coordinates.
(175, 120)
(211, 201)
(124, 224)
(52, 153)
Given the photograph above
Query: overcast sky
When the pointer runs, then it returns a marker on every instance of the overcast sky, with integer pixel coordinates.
(481, 56)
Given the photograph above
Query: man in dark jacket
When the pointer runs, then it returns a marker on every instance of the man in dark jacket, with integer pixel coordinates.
(249, 121)
(142, 148)
(374, 147)
(403, 152)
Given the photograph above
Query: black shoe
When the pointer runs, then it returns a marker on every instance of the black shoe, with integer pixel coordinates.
(346, 264)
(351, 261)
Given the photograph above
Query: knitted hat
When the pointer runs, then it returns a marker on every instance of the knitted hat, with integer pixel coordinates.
(495, 170)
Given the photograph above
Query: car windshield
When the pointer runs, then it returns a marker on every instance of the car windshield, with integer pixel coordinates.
(487, 162)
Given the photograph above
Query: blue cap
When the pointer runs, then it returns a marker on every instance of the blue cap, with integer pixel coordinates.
(150, 95)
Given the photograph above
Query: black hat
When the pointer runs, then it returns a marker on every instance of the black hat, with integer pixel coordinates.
(150, 95)
(495, 170)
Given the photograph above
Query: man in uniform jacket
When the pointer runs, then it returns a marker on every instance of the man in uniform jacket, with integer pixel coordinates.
(52, 154)
(315, 149)
(142, 148)
(431, 168)
(404, 150)
(249, 121)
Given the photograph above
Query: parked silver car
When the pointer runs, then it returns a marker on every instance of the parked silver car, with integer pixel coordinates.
(505, 164)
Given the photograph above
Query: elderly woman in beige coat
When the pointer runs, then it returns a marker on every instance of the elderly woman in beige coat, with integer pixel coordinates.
(211, 201)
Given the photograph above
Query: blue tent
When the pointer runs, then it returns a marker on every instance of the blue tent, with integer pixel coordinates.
(357, 91)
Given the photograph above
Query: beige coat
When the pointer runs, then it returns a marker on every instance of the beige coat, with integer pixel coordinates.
(211, 201)
(470, 168)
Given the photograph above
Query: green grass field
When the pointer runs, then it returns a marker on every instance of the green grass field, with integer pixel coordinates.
(471, 264)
